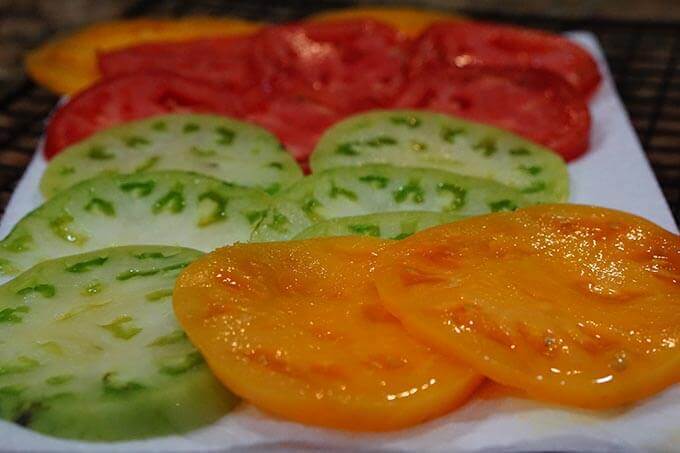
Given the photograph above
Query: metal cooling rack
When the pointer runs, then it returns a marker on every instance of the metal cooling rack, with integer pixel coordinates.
(644, 58)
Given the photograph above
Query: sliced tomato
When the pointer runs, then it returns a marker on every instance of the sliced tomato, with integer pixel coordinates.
(69, 64)
(349, 65)
(298, 79)
(462, 44)
(530, 102)
(132, 97)
(297, 122)
(224, 61)
(572, 304)
(297, 329)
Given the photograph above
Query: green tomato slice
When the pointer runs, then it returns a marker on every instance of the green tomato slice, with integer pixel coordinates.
(90, 349)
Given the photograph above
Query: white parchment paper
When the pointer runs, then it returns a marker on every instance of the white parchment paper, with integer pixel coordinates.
(615, 174)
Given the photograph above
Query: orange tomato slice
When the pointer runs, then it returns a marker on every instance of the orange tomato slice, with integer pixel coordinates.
(297, 329)
(69, 64)
(573, 304)
(410, 21)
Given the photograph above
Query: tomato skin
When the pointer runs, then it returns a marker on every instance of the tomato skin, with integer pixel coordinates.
(297, 329)
(132, 97)
(463, 44)
(533, 103)
(576, 305)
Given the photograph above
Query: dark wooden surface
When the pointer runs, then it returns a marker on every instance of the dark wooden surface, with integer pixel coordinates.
(641, 41)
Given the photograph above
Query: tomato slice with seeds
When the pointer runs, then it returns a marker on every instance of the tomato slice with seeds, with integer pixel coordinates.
(573, 304)
(530, 102)
(131, 97)
(297, 329)
(469, 43)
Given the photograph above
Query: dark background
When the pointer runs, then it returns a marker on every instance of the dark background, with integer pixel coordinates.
(641, 40)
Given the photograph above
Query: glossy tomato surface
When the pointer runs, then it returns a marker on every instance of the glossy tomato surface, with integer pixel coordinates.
(297, 329)
(464, 44)
(572, 304)
(349, 65)
(297, 79)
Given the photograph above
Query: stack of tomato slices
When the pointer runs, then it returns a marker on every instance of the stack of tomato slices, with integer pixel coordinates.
(567, 304)
(298, 79)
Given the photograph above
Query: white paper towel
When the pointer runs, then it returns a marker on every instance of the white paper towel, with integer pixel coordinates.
(614, 173)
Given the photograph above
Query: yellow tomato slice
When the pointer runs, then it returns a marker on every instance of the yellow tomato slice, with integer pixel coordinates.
(297, 329)
(69, 64)
(410, 21)
(573, 304)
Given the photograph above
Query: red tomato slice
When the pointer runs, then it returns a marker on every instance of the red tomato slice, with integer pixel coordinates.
(462, 44)
(132, 97)
(224, 61)
(297, 122)
(349, 65)
(298, 79)
(533, 103)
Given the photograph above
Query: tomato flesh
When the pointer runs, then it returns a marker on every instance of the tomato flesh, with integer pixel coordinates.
(572, 304)
(223, 61)
(297, 122)
(131, 97)
(69, 65)
(474, 44)
(349, 65)
(298, 79)
(297, 329)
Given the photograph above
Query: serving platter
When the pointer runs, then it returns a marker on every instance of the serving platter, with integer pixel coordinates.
(615, 174)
